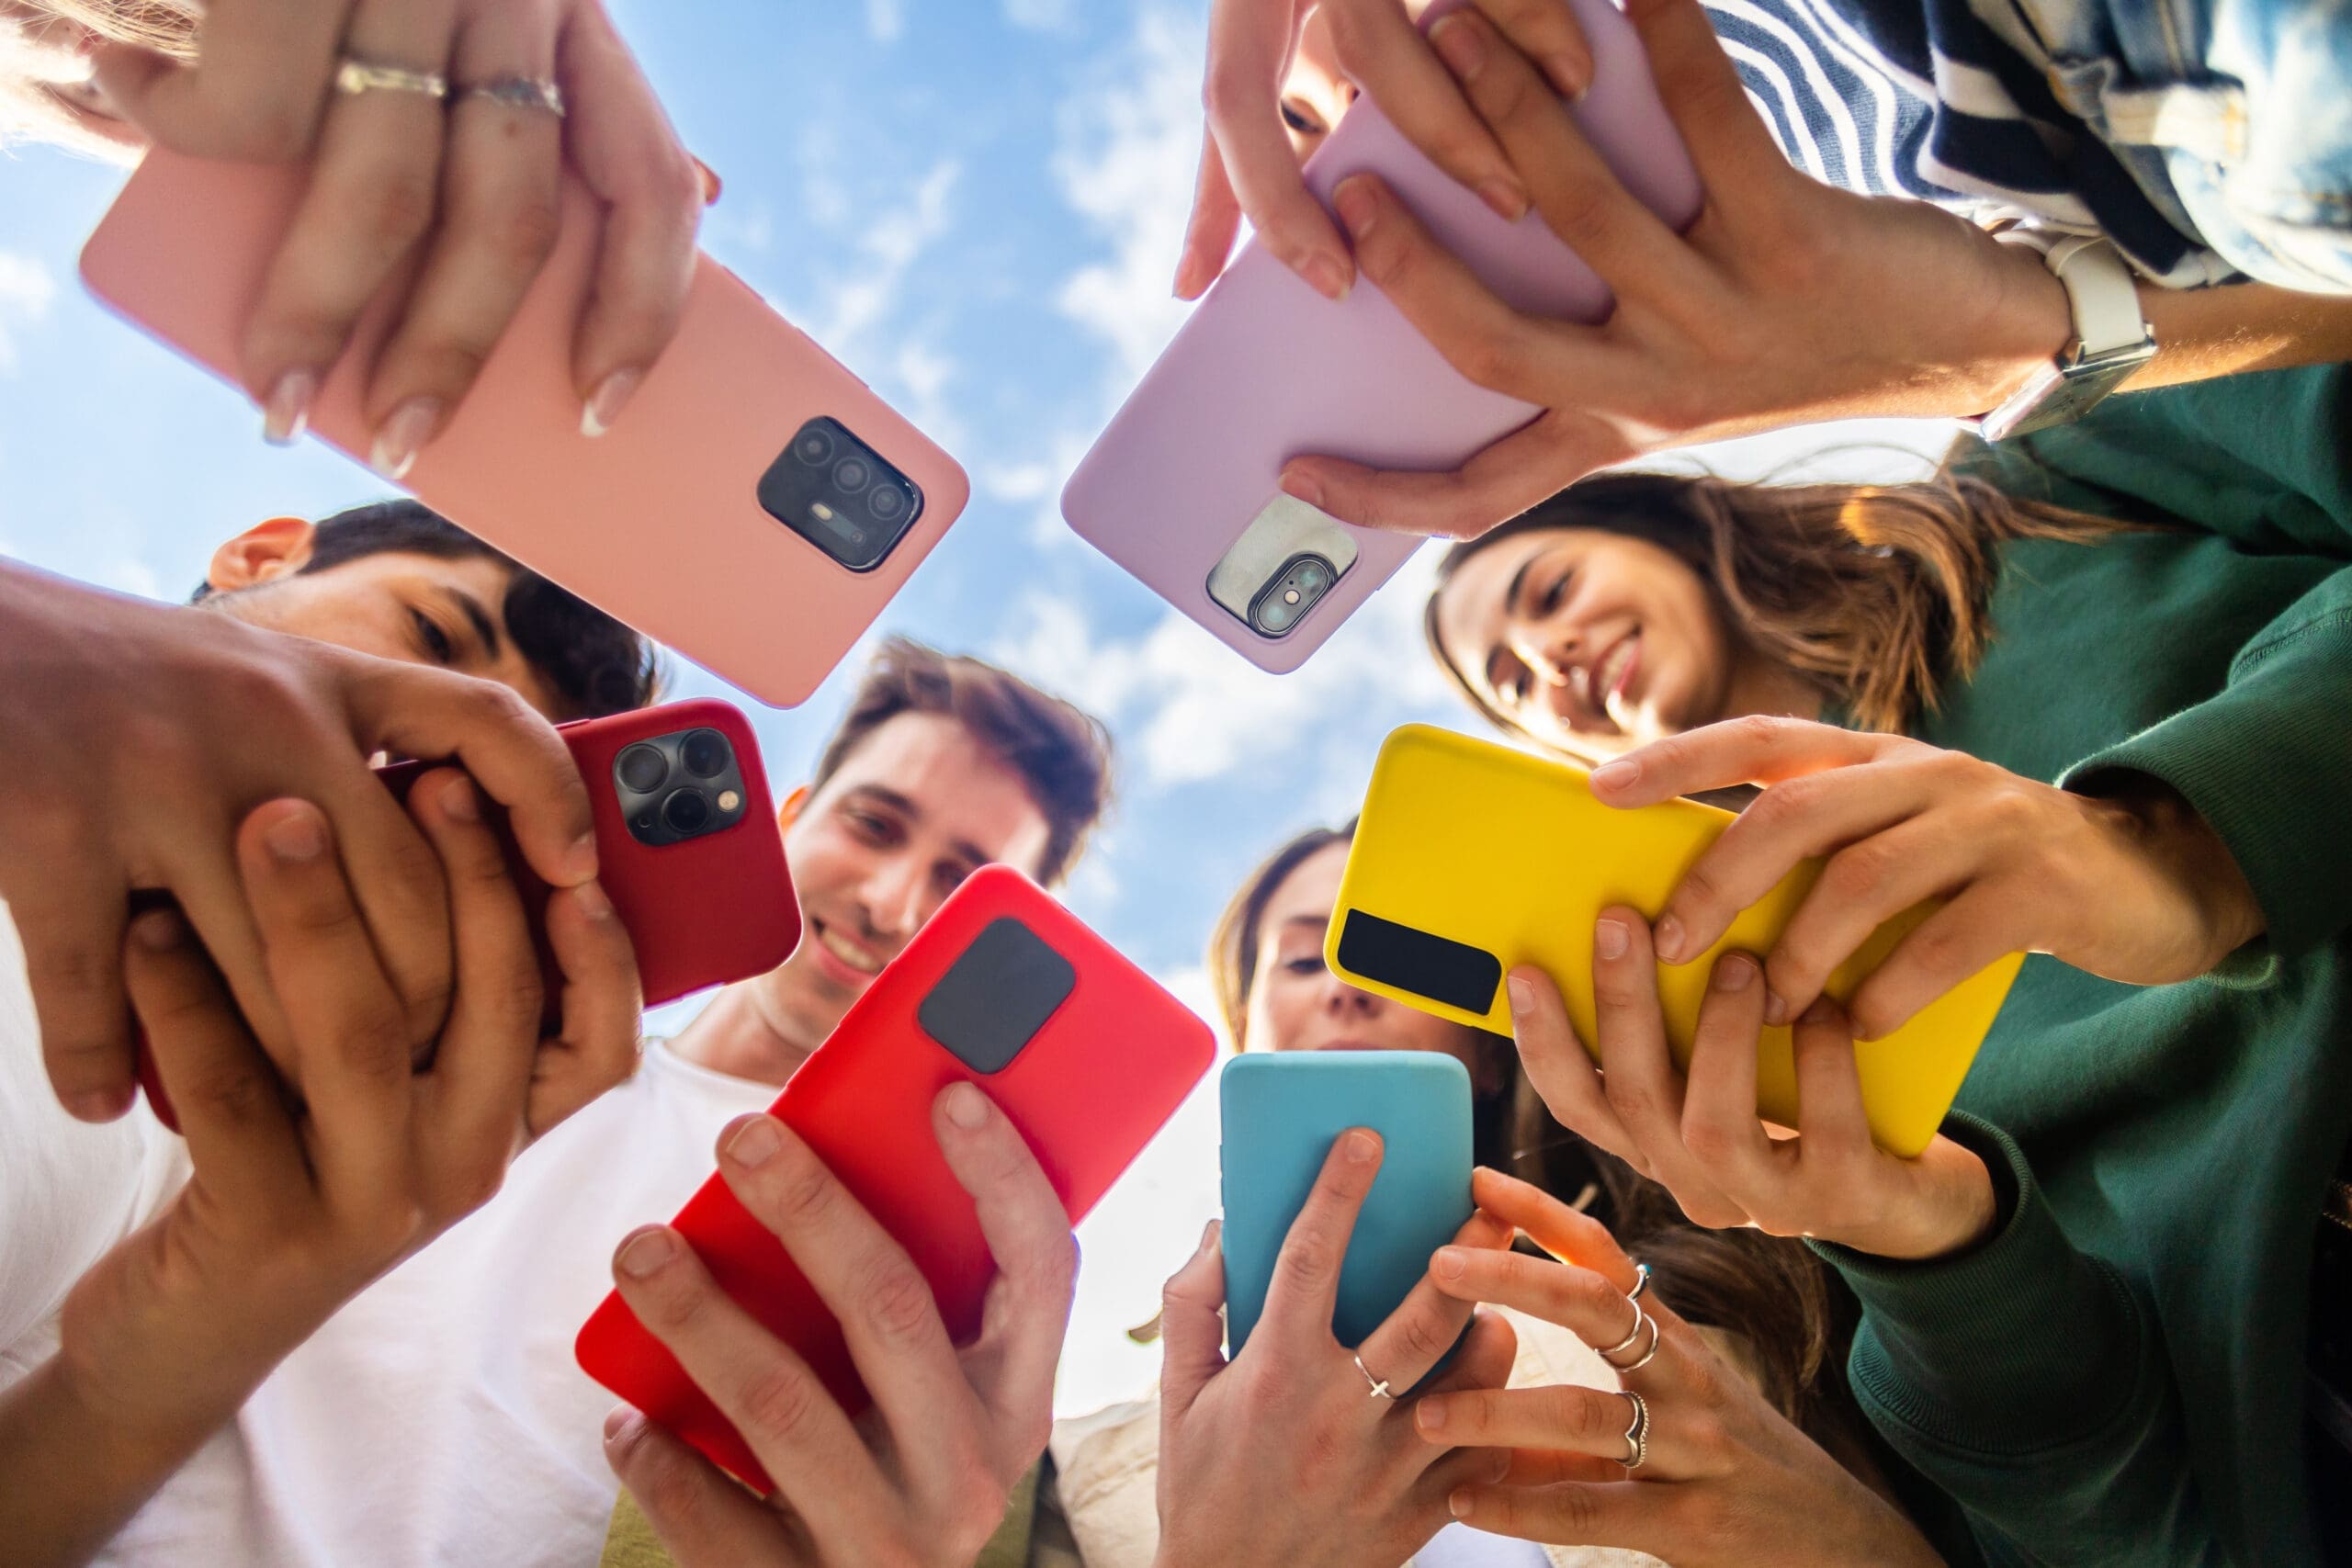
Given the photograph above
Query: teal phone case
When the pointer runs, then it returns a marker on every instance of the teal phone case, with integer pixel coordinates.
(1281, 1113)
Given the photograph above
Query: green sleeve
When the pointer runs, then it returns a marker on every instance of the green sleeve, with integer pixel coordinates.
(2026, 1379)
(2266, 761)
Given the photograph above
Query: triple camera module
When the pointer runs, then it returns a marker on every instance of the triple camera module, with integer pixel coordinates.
(680, 787)
(836, 493)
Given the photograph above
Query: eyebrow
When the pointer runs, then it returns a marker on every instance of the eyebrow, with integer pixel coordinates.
(905, 806)
(1308, 921)
(485, 624)
(1519, 580)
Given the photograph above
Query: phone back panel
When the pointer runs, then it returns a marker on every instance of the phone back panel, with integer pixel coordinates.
(1266, 369)
(1282, 1111)
(1092, 1077)
(1473, 858)
(656, 521)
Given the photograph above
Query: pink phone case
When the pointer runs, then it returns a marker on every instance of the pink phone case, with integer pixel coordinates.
(656, 521)
(1267, 369)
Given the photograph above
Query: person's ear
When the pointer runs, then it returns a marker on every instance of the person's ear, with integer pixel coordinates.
(263, 553)
(789, 813)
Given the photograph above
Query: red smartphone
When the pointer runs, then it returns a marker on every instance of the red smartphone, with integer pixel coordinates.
(755, 509)
(1005, 989)
(687, 847)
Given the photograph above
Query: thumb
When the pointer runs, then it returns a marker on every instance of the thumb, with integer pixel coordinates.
(1192, 1334)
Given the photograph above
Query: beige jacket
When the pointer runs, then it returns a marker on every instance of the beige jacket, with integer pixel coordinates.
(1106, 1465)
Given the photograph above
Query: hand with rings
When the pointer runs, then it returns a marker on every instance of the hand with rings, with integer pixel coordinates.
(1726, 1478)
(1300, 1452)
(438, 131)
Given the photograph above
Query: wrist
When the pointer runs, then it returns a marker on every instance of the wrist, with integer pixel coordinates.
(2159, 828)
(2030, 323)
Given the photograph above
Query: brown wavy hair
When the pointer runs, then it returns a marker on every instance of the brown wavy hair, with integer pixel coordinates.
(1878, 594)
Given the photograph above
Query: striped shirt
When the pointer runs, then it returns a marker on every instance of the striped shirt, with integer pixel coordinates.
(1950, 101)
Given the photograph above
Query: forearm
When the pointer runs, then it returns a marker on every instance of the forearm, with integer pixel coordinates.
(70, 1477)
(2206, 333)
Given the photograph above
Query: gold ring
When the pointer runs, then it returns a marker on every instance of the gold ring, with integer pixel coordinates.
(354, 77)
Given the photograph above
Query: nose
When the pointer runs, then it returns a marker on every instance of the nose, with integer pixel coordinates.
(1550, 652)
(895, 898)
(1343, 1001)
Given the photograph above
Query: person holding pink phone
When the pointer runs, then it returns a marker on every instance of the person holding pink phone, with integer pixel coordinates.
(443, 125)
(1721, 330)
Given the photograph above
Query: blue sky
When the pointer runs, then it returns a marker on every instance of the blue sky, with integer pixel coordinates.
(976, 205)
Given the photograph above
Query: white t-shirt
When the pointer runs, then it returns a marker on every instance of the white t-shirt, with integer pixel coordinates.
(439, 1418)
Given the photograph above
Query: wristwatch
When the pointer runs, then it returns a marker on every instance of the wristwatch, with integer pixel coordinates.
(2110, 339)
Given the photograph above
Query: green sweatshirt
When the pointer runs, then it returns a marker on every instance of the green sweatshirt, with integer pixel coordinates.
(2117, 1376)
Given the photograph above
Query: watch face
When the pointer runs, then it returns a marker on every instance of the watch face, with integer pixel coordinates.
(2061, 393)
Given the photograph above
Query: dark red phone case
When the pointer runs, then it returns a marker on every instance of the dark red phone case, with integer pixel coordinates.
(700, 913)
(1094, 1072)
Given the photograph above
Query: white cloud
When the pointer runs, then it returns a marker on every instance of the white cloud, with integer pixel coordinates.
(1018, 481)
(884, 20)
(1041, 15)
(887, 245)
(25, 291)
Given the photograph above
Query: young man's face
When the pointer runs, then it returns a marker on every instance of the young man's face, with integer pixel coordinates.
(418, 608)
(917, 806)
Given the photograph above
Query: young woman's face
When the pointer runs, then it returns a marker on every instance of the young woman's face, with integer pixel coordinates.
(1591, 641)
(1315, 93)
(1296, 1004)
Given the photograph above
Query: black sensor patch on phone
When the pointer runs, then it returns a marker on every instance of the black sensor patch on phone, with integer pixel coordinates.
(1413, 960)
(994, 999)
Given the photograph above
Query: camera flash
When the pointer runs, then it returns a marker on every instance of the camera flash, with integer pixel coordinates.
(1290, 596)
(728, 799)
(824, 514)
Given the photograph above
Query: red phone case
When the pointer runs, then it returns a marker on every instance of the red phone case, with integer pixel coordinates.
(1101, 1075)
(700, 913)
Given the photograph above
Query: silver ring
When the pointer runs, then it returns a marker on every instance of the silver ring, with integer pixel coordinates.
(354, 77)
(1640, 1317)
(1641, 1281)
(535, 92)
(1637, 1434)
(1638, 1362)
(1379, 1388)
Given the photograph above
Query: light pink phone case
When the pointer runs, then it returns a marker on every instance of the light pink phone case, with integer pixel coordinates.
(656, 521)
(1267, 369)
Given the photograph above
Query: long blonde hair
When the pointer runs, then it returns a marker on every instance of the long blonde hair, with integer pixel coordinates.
(30, 110)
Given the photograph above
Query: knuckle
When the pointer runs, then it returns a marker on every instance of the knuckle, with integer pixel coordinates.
(666, 1486)
(1632, 1102)
(1710, 1143)
(387, 1228)
(1420, 1338)
(1352, 34)
(1227, 93)
(518, 232)
(897, 1301)
(1863, 871)
(781, 1401)
(391, 209)
(803, 1198)
(231, 1093)
(1306, 1262)
(1492, 359)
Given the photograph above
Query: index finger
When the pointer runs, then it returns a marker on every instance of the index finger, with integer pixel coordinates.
(1385, 55)
(1569, 1235)
(1305, 1291)
(1250, 41)
(1428, 1323)
(1759, 748)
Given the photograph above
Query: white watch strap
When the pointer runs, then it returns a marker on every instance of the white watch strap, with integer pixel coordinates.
(2104, 295)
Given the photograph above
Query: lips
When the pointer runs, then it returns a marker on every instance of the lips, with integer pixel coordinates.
(1614, 674)
(840, 958)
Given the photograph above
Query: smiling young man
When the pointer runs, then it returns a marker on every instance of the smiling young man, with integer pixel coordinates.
(439, 1416)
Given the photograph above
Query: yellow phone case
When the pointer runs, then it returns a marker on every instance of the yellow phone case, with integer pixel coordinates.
(1474, 858)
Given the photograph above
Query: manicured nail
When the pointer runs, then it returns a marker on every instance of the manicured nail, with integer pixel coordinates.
(1619, 774)
(403, 436)
(1458, 1503)
(1666, 937)
(287, 412)
(1329, 278)
(603, 405)
(159, 930)
(647, 1251)
(1447, 1263)
(298, 836)
(711, 184)
(459, 801)
(1509, 202)
(1458, 45)
(98, 1105)
(1301, 487)
(581, 859)
(593, 903)
(1735, 972)
(1361, 1147)
(1522, 997)
(967, 1107)
(755, 1142)
(1188, 276)
(616, 1421)
(1358, 207)
(1609, 939)
(1776, 1012)
(1430, 1415)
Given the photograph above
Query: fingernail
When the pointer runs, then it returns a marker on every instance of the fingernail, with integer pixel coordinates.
(159, 930)
(298, 836)
(711, 184)
(1735, 972)
(1358, 207)
(1609, 939)
(1522, 997)
(603, 405)
(1666, 938)
(1208, 1238)
(616, 1421)
(1446, 1263)
(287, 412)
(98, 1105)
(1329, 278)
(967, 1107)
(1458, 1504)
(755, 1142)
(1300, 487)
(1187, 276)
(1619, 774)
(593, 900)
(459, 801)
(1776, 1012)
(1362, 1146)
(1571, 75)
(1430, 1415)
(402, 435)
(1457, 43)
(581, 859)
(1510, 203)
(646, 1251)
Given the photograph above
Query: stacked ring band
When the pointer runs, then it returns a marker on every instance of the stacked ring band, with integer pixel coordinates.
(1641, 1281)
(1637, 1433)
(1641, 1319)
(1638, 1362)
(355, 76)
(533, 93)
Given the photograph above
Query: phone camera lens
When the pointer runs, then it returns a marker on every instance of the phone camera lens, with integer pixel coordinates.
(813, 445)
(685, 811)
(852, 475)
(889, 502)
(643, 768)
(706, 753)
